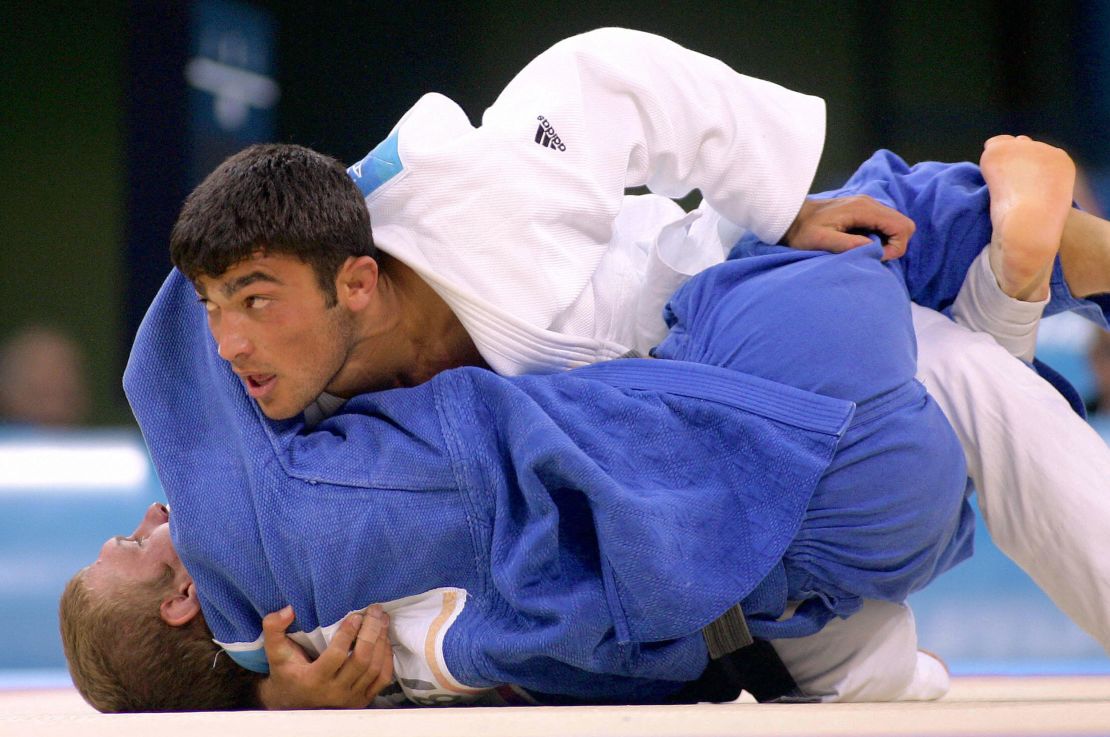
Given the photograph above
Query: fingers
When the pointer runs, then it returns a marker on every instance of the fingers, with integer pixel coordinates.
(335, 656)
(835, 241)
(869, 214)
(893, 252)
(371, 650)
(278, 647)
(385, 673)
(362, 655)
(380, 672)
(356, 665)
(861, 212)
(838, 224)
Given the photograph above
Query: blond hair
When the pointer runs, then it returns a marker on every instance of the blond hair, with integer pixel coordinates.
(123, 657)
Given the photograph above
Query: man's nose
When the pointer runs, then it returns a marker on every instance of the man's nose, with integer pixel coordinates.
(231, 341)
(156, 514)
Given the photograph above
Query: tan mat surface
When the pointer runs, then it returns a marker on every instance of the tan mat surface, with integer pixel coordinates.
(1059, 706)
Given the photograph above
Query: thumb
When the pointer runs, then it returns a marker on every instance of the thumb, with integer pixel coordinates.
(279, 648)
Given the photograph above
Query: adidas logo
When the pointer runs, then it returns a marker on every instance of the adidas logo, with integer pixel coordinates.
(546, 135)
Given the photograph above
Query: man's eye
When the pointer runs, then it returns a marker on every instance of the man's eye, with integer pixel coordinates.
(254, 303)
(206, 304)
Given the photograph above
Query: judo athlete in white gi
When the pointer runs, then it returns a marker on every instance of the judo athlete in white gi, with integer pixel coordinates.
(433, 189)
(549, 266)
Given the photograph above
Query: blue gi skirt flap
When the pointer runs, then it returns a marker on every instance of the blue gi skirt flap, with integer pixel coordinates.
(679, 499)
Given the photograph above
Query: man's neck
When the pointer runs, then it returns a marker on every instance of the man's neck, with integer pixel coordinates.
(415, 332)
(437, 337)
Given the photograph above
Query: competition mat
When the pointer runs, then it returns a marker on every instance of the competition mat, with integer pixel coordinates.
(998, 706)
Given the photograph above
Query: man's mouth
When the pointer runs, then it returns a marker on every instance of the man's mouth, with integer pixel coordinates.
(259, 385)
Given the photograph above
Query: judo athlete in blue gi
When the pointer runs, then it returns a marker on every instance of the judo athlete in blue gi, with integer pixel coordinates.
(586, 525)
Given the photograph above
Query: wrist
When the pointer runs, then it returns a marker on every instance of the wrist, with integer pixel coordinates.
(795, 225)
(267, 695)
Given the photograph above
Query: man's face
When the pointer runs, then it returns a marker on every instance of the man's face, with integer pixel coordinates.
(140, 558)
(272, 324)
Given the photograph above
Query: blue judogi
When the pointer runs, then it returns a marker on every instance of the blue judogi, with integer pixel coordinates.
(597, 519)
(835, 327)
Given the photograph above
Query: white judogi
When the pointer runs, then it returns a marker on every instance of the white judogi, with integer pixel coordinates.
(534, 247)
(522, 226)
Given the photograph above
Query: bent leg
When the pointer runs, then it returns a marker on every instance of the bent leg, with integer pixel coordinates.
(889, 514)
(983, 307)
(1042, 473)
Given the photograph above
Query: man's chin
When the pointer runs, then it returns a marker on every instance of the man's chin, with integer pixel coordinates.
(275, 411)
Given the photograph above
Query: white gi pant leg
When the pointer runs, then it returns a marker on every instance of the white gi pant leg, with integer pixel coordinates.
(982, 306)
(870, 656)
(1042, 473)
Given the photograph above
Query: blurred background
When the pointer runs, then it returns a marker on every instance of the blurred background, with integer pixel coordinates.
(110, 112)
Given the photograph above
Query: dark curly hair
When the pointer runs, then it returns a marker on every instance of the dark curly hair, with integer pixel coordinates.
(275, 198)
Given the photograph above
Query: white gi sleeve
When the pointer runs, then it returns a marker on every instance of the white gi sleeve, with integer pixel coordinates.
(654, 113)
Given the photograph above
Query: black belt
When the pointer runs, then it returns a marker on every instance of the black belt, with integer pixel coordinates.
(738, 662)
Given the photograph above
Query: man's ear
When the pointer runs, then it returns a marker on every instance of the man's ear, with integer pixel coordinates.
(181, 606)
(357, 282)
